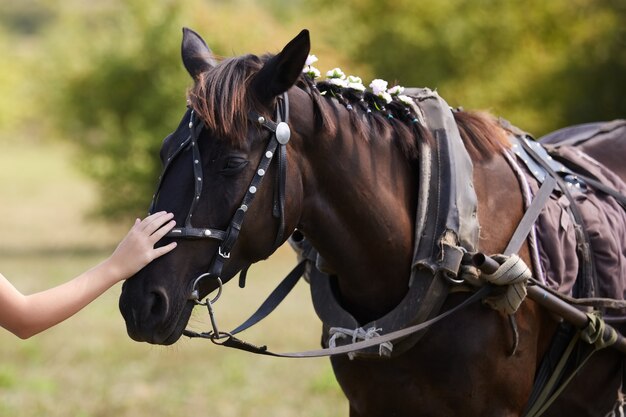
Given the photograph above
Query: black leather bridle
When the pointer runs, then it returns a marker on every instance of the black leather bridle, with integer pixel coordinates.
(280, 136)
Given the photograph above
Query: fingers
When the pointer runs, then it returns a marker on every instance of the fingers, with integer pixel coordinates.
(160, 251)
(152, 229)
(154, 221)
(150, 218)
(162, 231)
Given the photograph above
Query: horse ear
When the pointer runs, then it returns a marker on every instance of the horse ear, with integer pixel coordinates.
(197, 57)
(282, 70)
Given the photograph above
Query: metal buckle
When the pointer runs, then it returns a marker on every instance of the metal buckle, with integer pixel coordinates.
(222, 254)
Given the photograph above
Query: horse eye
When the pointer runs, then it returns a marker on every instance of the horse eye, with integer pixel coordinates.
(233, 166)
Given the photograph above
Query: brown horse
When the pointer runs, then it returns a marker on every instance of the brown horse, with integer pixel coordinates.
(351, 186)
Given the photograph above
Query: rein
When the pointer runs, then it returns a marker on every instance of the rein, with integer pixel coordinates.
(230, 341)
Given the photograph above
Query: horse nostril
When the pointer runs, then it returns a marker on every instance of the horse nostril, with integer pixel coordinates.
(158, 304)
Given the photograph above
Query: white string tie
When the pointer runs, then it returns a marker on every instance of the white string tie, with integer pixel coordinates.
(358, 334)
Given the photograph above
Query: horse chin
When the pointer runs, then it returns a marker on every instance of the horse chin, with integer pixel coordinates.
(169, 333)
(170, 337)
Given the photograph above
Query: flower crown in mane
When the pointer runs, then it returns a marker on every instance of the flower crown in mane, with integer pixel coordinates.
(377, 98)
(390, 112)
(481, 132)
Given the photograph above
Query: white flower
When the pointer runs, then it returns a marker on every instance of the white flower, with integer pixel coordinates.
(355, 83)
(336, 73)
(340, 82)
(385, 96)
(311, 71)
(405, 99)
(378, 86)
(396, 90)
(310, 60)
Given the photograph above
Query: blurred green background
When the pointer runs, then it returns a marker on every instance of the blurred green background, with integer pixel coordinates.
(105, 77)
(89, 89)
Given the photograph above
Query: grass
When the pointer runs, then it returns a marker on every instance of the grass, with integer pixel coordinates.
(88, 366)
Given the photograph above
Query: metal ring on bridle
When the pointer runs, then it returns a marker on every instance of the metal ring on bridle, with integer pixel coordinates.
(195, 295)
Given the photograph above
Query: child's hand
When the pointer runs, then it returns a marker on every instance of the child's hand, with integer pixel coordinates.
(137, 249)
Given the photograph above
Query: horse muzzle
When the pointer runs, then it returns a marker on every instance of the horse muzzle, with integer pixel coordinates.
(152, 315)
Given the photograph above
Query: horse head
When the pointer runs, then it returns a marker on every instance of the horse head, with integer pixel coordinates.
(226, 180)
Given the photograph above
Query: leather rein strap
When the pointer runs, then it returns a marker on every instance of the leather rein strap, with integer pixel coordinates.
(229, 340)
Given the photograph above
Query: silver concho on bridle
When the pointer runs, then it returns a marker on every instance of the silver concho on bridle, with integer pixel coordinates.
(283, 133)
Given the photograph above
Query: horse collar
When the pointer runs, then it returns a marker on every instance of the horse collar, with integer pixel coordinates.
(446, 228)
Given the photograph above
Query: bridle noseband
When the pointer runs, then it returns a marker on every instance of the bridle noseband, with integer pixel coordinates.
(281, 134)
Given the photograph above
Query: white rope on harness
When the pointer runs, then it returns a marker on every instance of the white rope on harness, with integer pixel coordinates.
(514, 274)
(358, 334)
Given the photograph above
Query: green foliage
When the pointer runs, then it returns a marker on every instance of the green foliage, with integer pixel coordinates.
(128, 92)
(108, 74)
(540, 64)
(122, 85)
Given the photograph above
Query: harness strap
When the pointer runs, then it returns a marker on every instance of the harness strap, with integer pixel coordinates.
(277, 143)
(275, 298)
(281, 177)
(587, 265)
(197, 233)
(530, 217)
(589, 178)
(230, 341)
(595, 335)
(196, 127)
(552, 380)
(188, 231)
(234, 228)
(554, 385)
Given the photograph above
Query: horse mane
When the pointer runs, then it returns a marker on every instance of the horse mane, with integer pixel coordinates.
(220, 96)
(482, 133)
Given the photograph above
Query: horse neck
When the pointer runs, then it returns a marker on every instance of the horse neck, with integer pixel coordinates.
(359, 212)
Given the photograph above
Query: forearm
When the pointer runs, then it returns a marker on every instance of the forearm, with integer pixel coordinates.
(27, 315)
(37, 312)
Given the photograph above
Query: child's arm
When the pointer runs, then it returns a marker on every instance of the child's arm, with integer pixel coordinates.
(27, 315)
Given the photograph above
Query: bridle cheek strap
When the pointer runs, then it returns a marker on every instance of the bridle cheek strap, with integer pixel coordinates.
(228, 237)
(189, 231)
(282, 135)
